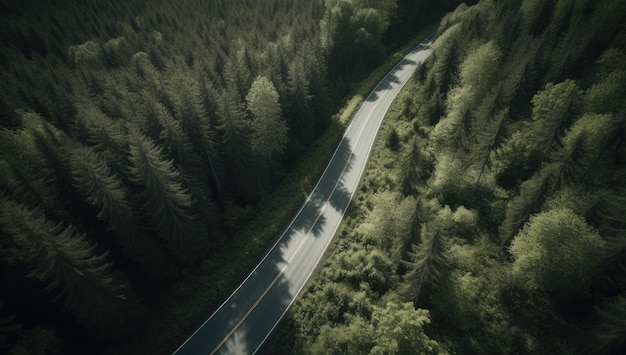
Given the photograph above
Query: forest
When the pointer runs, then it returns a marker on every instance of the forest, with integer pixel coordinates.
(140, 139)
(491, 217)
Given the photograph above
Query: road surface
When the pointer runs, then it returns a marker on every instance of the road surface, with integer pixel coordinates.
(243, 322)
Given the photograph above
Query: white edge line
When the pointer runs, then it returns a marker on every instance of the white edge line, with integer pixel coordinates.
(298, 213)
(286, 229)
(350, 200)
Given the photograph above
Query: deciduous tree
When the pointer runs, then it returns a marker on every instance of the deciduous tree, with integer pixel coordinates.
(556, 251)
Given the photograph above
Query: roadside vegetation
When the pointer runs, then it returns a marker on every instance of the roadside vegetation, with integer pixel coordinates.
(151, 152)
(490, 218)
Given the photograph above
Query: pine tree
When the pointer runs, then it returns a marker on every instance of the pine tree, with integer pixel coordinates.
(235, 138)
(428, 260)
(269, 130)
(299, 109)
(237, 71)
(167, 203)
(533, 193)
(412, 169)
(104, 190)
(570, 158)
(446, 61)
(179, 149)
(488, 137)
(610, 333)
(107, 136)
(554, 110)
(68, 264)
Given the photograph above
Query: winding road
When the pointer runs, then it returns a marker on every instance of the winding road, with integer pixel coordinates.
(247, 318)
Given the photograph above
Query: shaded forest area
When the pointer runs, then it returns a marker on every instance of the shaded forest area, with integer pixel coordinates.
(491, 218)
(137, 136)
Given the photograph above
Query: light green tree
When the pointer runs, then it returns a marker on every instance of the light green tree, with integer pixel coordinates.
(554, 110)
(395, 328)
(556, 251)
(269, 129)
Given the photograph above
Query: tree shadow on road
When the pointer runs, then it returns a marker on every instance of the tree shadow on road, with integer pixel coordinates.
(390, 79)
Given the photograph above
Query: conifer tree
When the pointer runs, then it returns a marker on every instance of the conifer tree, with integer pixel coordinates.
(106, 136)
(446, 61)
(167, 203)
(570, 158)
(235, 138)
(238, 71)
(411, 170)
(554, 111)
(192, 138)
(269, 130)
(611, 331)
(533, 193)
(179, 149)
(299, 106)
(104, 190)
(428, 260)
(68, 264)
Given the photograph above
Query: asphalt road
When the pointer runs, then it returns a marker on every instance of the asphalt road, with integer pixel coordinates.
(248, 316)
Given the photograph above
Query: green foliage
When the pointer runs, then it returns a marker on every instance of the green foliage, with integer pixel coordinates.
(554, 110)
(414, 167)
(387, 224)
(396, 328)
(352, 33)
(166, 201)
(38, 341)
(428, 259)
(557, 250)
(135, 123)
(104, 190)
(516, 159)
(372, 270)
(533, 193)
(269, 130)
(67, 263)
(611, 330)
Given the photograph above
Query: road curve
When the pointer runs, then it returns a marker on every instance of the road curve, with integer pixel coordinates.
(243, 322)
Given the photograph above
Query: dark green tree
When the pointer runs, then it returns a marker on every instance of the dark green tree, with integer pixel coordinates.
(103, 189)
(234, 130)
(68, 264)
(610, 332)
(299, 104)
(428, 260)
(414, 167)
(167, 204)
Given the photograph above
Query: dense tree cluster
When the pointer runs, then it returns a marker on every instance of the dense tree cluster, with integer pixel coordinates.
(502, 196)
(131, 132)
